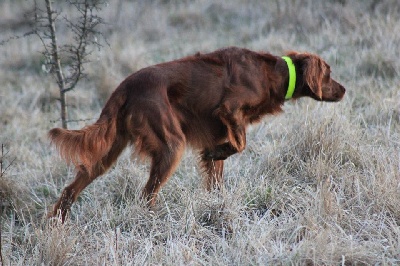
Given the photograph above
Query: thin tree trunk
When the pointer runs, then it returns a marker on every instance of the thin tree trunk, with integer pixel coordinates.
(57, 64)
(1, 204)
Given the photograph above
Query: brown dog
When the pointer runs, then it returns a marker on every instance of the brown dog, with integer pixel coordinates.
(205, 100)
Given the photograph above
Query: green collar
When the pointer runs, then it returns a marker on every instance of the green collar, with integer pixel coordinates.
(292, 77)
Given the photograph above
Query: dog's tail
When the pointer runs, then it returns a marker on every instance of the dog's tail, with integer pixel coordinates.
(87, 146)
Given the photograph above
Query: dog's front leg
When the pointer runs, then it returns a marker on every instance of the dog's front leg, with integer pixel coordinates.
(236, 129)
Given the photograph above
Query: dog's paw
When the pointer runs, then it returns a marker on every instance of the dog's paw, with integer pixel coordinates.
(210, 155)
(207, 155)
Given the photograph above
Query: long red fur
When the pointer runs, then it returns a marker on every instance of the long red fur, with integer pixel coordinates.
(87, 146)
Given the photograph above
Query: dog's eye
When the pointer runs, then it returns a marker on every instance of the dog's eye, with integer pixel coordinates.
(327, 72)
(327, 77)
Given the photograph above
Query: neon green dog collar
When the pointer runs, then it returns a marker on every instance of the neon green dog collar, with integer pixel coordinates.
(292, 77)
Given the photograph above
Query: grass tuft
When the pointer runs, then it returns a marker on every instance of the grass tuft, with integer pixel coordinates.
(317, 185)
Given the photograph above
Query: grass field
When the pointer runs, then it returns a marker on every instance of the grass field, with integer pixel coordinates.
(316, 185)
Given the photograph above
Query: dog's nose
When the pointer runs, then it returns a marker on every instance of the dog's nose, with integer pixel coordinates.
(340, 92)
(342, 89)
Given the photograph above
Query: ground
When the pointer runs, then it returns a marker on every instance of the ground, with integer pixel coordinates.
(316, 185)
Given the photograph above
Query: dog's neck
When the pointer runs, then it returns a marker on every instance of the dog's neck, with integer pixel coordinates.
(292, 77)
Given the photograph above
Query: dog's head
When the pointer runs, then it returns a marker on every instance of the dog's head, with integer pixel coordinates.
(314, 78)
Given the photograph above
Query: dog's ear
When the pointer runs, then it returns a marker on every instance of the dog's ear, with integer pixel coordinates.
(313, 73)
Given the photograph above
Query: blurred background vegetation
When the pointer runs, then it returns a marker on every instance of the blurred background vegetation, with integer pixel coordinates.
(317, 185)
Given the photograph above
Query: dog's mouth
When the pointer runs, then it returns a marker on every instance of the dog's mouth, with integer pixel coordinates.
(332, 99)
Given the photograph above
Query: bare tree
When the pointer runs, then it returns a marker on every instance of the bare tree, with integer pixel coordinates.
(71, 57)
(1, 201)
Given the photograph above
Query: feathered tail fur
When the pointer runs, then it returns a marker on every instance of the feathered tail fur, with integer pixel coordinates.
(86, 147)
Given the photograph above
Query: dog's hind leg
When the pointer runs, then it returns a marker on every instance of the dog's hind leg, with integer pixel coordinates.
(164, 143)
(164, 163)
(83, 179)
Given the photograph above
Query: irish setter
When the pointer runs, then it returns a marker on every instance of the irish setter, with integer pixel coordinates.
(204, 100)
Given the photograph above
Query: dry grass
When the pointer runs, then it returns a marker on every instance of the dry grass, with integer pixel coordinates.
(318, 185)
